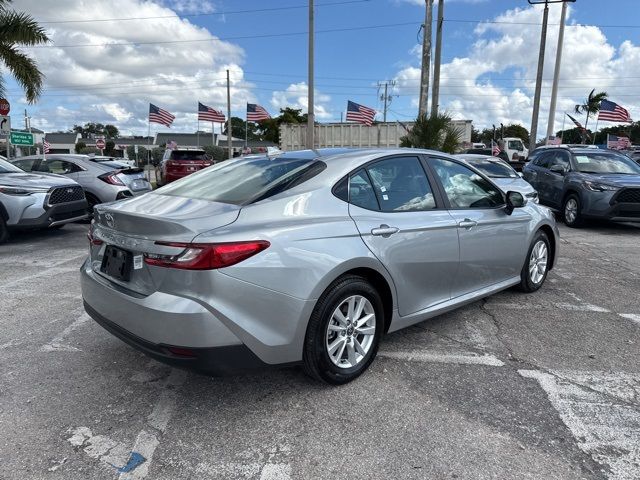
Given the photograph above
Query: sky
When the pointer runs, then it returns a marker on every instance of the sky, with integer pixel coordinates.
(108, 60)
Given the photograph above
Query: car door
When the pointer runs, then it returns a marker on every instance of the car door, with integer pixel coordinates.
(535, 172)
(492, 243)
(554, 180)
(406, 226)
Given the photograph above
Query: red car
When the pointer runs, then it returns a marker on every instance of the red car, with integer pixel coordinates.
(181, 162)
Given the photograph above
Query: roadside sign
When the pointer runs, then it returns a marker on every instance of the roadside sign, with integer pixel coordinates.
(22, 138)
(5, 125)
(4, 107)
(100, 144)
(135, 149)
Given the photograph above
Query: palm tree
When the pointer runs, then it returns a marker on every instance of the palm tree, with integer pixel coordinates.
(591, 105)
(16, 30)
(436, 132)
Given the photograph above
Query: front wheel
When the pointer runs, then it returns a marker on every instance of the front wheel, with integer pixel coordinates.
(571, 211)
(536, 267)
(344, 331)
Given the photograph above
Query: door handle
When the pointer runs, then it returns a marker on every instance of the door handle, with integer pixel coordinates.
(384, 230)
(466, 223)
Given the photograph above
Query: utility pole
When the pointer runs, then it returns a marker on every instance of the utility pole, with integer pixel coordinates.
(229, 135)
(426, 59)
(386, 99)
(436, 64)
(536, 97)
(310, 106)
(556, 73)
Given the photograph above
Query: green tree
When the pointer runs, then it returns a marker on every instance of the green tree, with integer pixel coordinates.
(238, 126)
(215, 152)
(591, 106)
(518, 131)
(109, 148)
(20, 30)
(88, 129)
(80, 146)
(269, 130)
(436, 132)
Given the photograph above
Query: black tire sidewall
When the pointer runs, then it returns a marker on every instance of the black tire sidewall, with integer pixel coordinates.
(578, 219)
(315, 344)
(4, 230)
(526, 283)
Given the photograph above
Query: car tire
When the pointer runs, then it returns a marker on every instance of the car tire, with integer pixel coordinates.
(337, 348)
(4, 231)
(536, 266)
(571, 211)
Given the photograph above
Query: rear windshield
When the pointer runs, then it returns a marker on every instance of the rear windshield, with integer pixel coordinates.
(112, 164)
(493, 167)
(6, 167)
(188, 155)
(244, 181)
(605, 162)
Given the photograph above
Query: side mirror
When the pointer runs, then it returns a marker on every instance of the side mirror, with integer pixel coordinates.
(514, 200)
(557, 169)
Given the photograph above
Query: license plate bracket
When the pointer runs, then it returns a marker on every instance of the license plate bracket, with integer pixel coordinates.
(117, 263)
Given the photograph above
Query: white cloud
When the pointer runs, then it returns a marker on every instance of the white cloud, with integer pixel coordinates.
(296, 96)
(116, 82)
(495, 81)
(191, 6)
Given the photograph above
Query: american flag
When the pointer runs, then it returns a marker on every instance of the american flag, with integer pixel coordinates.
(612, 112)
(576, 122)
(158, 115)
(255, 113)
(617, 143)
(553, 140)
(208, 114)
(46, 146)
(360, 113)
(171, 145)
(495, 149)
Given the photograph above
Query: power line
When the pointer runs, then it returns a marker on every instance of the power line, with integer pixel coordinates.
(207, 14)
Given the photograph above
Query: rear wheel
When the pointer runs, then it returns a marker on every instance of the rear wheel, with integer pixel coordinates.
(4, 230)
(344, 331)
(535, 269)
(571, 211)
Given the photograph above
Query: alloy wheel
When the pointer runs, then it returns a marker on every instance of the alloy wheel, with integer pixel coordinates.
(571, 210)
(538, 262)
(351, 331)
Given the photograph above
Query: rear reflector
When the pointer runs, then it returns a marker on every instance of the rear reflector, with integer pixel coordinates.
(181, 352)
(206, 256)
(93, 240)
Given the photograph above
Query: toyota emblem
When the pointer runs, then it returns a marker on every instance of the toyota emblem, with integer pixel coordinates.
(110, 221)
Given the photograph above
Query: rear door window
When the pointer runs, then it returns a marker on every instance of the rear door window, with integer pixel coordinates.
(361, 191)
(26, 164)
(188, 155)
(401, 184)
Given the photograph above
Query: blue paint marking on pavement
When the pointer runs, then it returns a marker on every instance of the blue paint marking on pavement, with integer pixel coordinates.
(134, 460)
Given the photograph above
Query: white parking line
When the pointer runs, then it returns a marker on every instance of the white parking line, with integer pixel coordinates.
(461, 358)
(634, 317)
(57, 344)
(54, 269)
(603, 427)
(147, 440)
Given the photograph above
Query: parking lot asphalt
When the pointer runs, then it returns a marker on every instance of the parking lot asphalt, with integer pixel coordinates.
(540, 386)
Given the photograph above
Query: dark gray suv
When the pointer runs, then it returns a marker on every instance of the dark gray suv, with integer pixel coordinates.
(586, 183)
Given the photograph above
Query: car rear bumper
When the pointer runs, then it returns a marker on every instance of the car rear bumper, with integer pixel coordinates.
(215, 361)
(266, 324)
(55, 215)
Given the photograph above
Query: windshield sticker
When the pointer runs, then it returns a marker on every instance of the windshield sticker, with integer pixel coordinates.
(582, 159)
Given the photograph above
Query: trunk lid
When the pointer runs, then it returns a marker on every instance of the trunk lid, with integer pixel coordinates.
(136, 225)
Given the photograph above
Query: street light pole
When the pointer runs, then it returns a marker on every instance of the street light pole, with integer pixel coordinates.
(556, 73)
(310, 105)
(426, 59)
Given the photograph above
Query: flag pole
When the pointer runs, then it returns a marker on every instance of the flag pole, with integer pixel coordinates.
(198, 132)
(564, 117)
(213, 135)
(44, 155)
(149, 148)
(595, 131)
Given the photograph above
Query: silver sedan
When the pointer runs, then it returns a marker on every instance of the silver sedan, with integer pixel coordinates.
(307, 257)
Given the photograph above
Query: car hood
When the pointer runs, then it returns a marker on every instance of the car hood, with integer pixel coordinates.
(163, 217)
(514, 184)
(617, 179)
(42, 180)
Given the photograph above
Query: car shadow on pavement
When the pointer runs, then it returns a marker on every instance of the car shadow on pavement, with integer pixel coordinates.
(21, 236)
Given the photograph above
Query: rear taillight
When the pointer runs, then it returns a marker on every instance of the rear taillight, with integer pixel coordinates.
(206, 256)
(111, 178)
(92, 239)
